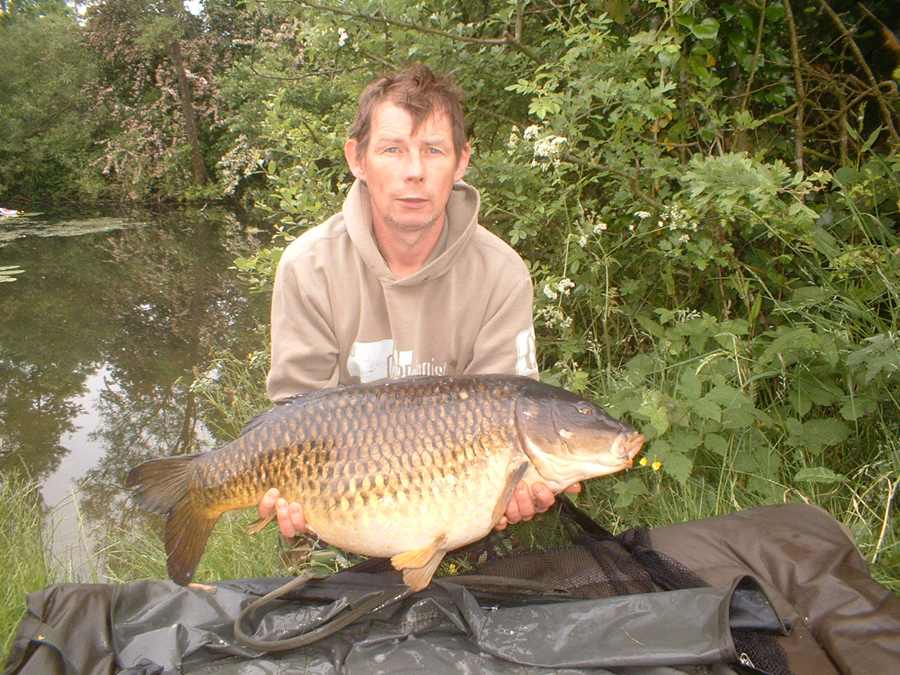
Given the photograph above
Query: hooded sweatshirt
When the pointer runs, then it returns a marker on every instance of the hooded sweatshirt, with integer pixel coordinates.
(340, 316)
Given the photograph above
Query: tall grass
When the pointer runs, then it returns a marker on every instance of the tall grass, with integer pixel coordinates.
(137, 552)
(23, 564)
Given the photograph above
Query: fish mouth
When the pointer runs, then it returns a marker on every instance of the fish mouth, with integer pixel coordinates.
(627, 445)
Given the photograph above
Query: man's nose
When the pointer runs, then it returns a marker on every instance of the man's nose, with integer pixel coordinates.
(415, 168)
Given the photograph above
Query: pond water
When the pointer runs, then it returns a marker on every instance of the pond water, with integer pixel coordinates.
(100, 338)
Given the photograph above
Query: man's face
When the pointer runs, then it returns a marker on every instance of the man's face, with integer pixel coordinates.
(409, 173)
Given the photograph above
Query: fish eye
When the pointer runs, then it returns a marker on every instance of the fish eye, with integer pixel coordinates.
(584, 408)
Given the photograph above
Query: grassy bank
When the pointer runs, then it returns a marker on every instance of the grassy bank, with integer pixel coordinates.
(23, 564)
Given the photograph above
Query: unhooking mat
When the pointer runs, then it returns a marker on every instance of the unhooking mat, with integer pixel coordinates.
(787, 576)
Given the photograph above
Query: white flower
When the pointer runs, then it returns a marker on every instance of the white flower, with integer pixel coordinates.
(550, 292)
(343, 37)
(682, 315)
(531, 132)
(641, 214)
(548, 147)
(582, 240)
(565, 285)
(513, 141)
(600, 227)
(684, 237)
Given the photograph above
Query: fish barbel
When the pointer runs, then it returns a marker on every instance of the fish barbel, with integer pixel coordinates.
(408, 469)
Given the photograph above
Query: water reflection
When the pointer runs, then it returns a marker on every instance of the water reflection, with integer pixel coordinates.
(99, 339)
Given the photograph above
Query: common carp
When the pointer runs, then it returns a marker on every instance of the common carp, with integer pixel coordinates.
(408, 469)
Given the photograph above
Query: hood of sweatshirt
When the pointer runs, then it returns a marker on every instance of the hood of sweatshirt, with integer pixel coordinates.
(459, 226)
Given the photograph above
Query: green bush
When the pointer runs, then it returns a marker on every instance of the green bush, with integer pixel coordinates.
(740, 311)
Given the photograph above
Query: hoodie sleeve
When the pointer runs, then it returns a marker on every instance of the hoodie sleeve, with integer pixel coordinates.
(505, 342)
(304, 346)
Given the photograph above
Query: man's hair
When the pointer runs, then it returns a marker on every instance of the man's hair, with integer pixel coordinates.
(421, 93)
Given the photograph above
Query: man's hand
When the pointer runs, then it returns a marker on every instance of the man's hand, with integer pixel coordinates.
(527, 500)
(290, 516)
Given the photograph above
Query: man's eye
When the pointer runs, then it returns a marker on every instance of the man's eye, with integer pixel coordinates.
(392, 149)
(434, 150)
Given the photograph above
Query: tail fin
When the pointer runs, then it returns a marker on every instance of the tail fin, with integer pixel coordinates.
(163, 486)
(160, 483)
(187, 530)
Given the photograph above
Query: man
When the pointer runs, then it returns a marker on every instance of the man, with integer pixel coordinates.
(403, 281)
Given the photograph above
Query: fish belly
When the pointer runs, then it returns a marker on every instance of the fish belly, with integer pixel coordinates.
(459, 507)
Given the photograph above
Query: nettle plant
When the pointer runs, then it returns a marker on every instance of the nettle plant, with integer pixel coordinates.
(741, 311)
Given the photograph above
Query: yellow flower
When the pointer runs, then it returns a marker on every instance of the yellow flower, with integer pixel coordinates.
(643, 461)
(452, 569)
(657, 465)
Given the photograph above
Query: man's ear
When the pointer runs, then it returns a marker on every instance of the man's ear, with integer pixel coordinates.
(463, 162)
(357, 165)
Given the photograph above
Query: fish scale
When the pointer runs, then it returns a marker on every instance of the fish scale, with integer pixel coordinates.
(408, 469)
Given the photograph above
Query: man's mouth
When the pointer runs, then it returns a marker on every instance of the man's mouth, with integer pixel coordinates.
(413, 201)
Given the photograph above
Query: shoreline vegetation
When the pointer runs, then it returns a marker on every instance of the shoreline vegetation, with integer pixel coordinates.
(707, 195)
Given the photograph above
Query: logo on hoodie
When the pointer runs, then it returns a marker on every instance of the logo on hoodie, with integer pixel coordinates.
(370, 361)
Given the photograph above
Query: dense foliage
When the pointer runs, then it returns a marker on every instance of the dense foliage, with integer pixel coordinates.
(706, 192)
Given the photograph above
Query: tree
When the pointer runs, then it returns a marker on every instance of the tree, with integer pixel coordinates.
(47, 126)
(158, 79)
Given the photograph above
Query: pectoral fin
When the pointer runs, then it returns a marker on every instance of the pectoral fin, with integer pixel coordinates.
(420, 565)
(512, 479)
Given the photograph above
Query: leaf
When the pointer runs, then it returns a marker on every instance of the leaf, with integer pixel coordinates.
(707, 409)
(857, 407)
(807, 391)
(735, 326)
(737, 408)
(641, 365)
(689, 384)
(794, 426)
(881, 356)
(707, 29)
(824, 242)
(818, 474)
(810, 294)
(774, 13)
(801, 402)
(628, 490)
(683, 441)
(651, 326)
(678, 466)
(737, 418)
(727, 396)
(617, 10)
(786, 343)
(716, 444)
(870, 141)
(817, 434)
(622, 401)
(655, 410)
(659, 418)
